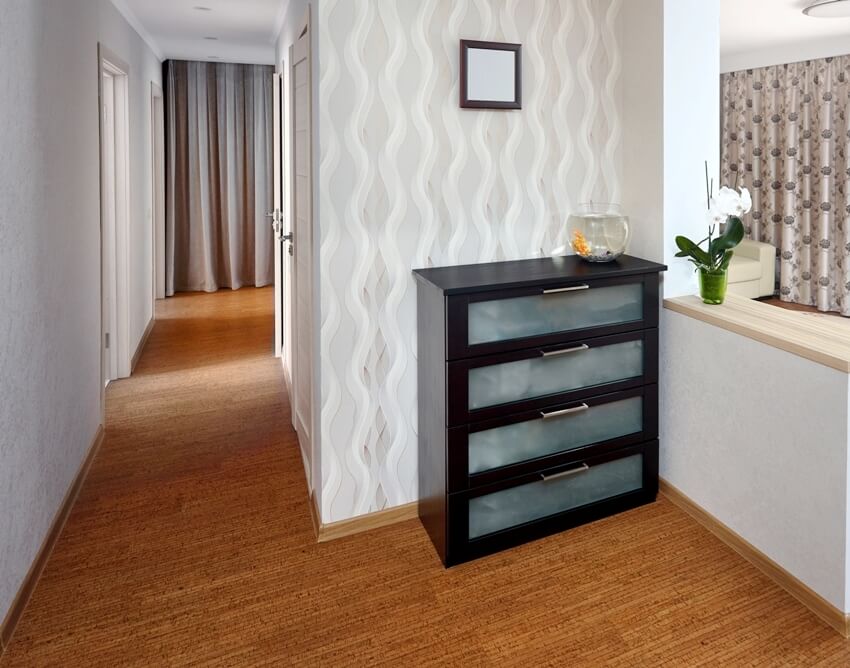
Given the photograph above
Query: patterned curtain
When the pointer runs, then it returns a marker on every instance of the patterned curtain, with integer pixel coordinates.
(785, 136)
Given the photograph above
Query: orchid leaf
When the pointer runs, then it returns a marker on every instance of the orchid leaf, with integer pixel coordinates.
(730, 238)
(689, 249)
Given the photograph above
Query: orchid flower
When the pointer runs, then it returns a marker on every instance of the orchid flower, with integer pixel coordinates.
(730, 202)
(727, 207)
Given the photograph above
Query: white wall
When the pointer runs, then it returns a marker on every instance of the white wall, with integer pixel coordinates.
(771, 465)
(49, 259)
(290, 23)
(691, 128)
(49, 268)
(671, 107)
(410, 180)
(122, 40)
(641, 32)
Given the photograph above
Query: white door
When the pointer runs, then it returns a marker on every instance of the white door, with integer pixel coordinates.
(115, 215)
(301, 219)
(109, 292)
(276, 216)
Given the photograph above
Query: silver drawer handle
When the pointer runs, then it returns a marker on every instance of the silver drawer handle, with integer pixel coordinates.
(564, 474)
(565, 351)
(566, 411)
(555, 291)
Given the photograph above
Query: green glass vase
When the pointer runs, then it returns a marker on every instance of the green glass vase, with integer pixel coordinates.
(712, 285)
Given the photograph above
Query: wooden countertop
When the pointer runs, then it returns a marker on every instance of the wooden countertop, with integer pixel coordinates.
(823, 340)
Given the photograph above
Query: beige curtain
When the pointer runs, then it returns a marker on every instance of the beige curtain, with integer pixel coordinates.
(218, 176)
(785, 136)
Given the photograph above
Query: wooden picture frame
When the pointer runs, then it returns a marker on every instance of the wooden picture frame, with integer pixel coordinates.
(490, 75)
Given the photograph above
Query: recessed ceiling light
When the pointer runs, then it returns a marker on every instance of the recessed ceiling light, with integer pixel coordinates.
(212, 39)
(201, 8)
(829, 9)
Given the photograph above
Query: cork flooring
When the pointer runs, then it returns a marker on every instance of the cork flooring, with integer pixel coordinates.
(191, 544)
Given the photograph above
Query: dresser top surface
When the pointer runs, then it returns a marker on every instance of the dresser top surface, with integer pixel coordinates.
(469, 278)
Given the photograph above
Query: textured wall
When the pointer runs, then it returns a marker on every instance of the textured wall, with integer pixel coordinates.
(49, 256)
(407, 179)
(776, 478)
(49, 268)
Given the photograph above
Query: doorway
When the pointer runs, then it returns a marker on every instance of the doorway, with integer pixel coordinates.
(115, 215)
(158, 192)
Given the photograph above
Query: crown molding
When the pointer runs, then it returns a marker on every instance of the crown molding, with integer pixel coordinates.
(131, 18)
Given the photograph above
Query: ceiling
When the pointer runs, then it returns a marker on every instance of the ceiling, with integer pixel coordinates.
(244, 31)
(769, 26)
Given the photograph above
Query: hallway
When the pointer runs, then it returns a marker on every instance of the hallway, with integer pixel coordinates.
(191, 543)
(189, 499)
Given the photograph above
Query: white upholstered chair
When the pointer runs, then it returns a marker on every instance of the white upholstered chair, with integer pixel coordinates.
(752, 270)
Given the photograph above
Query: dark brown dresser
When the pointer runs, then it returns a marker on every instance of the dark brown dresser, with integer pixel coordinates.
(538, 398)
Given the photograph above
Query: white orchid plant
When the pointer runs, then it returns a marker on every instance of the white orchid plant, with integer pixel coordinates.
(727, 207)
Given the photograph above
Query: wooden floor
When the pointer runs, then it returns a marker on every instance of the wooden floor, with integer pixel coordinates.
(801, 308)
(191, 543)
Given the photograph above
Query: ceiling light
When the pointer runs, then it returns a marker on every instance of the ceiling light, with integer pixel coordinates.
(201, 8)
(829, 9)
(212, 39)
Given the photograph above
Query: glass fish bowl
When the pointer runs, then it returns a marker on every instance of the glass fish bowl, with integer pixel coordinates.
(598, 232)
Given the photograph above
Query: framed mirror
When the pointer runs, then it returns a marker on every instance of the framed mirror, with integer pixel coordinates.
(490, 75)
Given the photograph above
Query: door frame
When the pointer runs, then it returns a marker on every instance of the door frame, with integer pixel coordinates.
(157, 194)
(110, 64)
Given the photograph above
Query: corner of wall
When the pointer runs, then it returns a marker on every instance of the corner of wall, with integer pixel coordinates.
(129, 16)
(641, 33)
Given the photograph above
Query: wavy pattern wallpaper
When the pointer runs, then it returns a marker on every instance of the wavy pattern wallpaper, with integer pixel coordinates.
(407, 179)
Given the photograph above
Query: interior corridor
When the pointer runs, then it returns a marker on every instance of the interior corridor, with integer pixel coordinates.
(192, 543)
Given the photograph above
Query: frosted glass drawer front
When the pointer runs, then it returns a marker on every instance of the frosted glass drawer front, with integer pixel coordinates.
(537, 315)
(562, 432)
(542, 376)
(526, 503)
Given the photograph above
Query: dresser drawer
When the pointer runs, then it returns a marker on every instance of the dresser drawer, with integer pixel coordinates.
(486, 388)
(493, 322)
(493, 518)
(487, 452)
